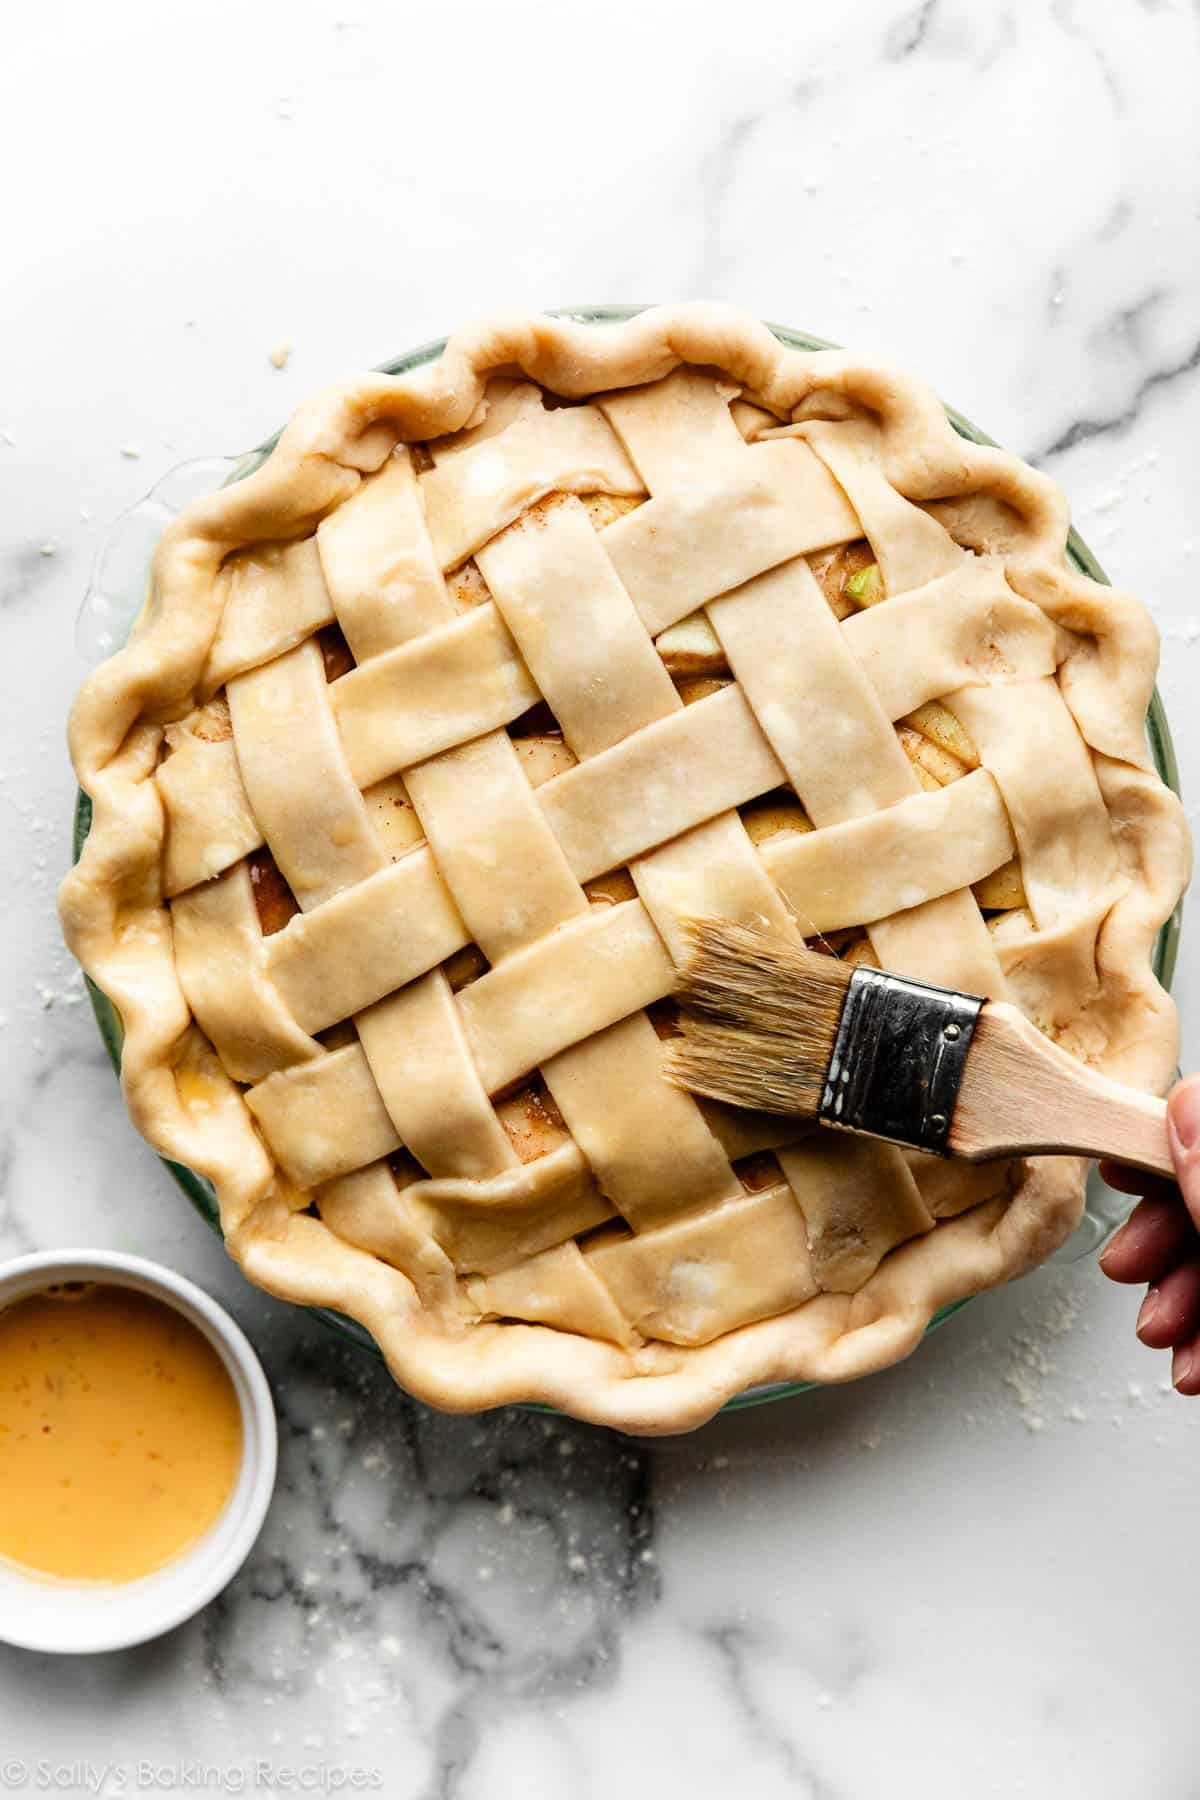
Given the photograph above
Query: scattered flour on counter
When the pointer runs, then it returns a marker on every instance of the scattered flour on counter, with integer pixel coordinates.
(1026, 1371)
(1030, 1364)
(1061, 1315)
(70, 994)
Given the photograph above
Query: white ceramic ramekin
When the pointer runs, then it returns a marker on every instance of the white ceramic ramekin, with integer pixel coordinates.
(74, 1617)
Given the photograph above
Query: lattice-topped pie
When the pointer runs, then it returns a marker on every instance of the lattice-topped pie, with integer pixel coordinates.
(437, 726)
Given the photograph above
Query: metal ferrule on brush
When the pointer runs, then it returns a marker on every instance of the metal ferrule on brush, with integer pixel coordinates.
(898, 1059)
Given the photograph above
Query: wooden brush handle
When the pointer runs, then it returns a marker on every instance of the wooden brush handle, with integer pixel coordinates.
(1023, 1096)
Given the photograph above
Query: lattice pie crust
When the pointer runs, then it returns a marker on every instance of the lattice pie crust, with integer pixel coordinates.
(436, 726)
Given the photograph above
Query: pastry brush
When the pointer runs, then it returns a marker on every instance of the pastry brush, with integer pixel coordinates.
(783, 1029)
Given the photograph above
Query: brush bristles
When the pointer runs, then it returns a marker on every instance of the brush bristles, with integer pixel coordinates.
(761, 1016)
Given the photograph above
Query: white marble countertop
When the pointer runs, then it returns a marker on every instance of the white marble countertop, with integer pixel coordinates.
(971, 1575)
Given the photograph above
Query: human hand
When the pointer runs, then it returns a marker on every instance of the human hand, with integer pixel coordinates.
(1159, 1243)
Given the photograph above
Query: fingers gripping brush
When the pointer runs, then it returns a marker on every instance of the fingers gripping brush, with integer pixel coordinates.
(782, 1029)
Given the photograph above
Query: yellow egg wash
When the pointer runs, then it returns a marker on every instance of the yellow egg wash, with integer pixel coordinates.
(120, 1433)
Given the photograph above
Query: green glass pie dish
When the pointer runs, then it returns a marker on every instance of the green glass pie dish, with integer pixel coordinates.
(116, 594)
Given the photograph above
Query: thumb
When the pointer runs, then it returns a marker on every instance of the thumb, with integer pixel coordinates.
(1183, 1130)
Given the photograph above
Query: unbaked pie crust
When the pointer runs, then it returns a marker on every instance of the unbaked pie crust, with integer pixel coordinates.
(437, 725)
